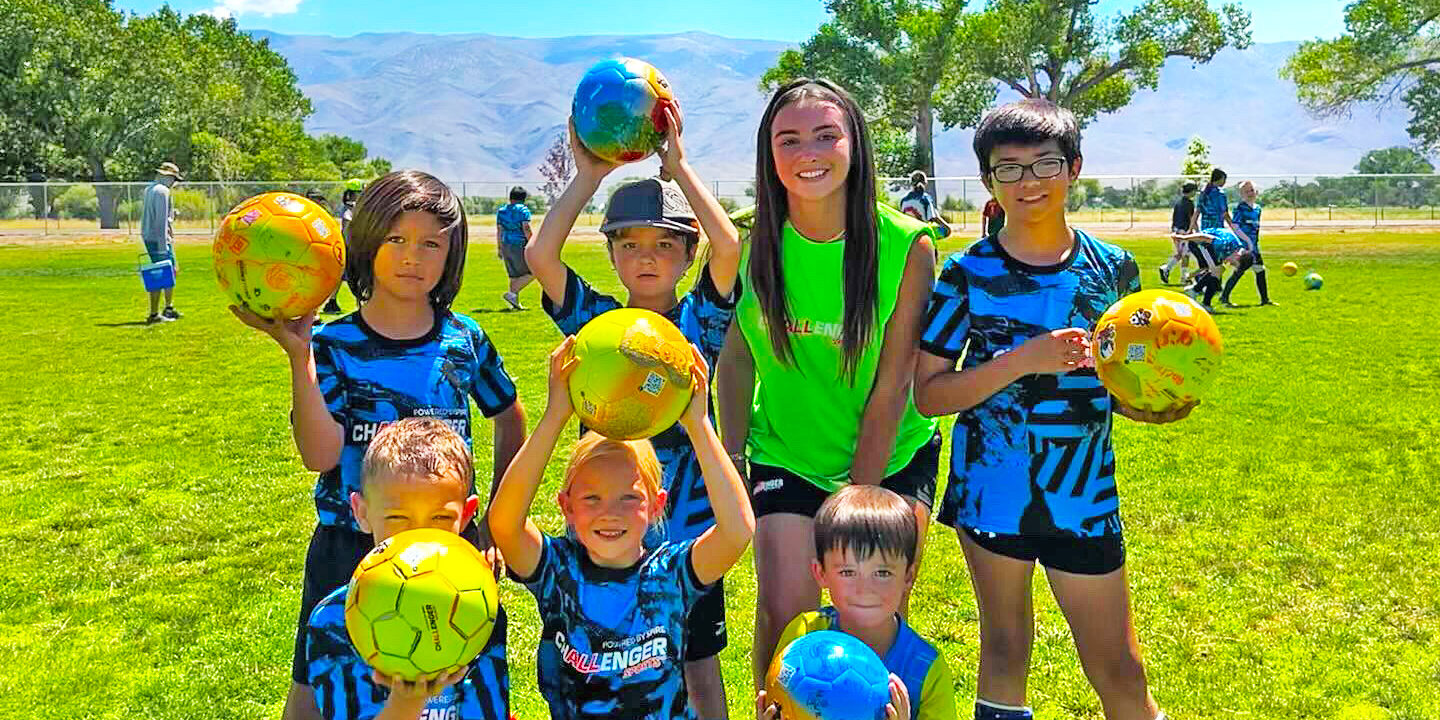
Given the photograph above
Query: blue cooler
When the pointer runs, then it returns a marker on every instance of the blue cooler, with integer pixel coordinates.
(156, 275)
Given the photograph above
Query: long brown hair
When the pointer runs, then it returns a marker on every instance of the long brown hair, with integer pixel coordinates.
(385, 200)
(767, 277)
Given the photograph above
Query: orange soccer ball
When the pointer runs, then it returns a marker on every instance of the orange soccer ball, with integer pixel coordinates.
(1156, 350)
(279, 254)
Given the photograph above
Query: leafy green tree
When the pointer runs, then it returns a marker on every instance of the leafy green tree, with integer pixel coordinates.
(1394, 160)
(1197, 157)
(1389, 50)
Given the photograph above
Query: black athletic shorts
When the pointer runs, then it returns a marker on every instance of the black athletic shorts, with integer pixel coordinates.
(705, 627)
(1096, 555)
(1204, 254)
(777, 490)
(334, 554)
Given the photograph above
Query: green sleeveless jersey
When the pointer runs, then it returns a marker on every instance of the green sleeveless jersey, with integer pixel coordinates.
(806, 416)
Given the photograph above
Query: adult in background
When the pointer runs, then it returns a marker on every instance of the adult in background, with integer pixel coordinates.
(919, 205)
(512, 232)
(992, 217)
(158, 233)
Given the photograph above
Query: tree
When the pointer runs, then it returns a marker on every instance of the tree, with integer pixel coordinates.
(1394, 160)
(1197, 157)
(1388, 51)
(558, 167)
(898, 58)
(1059, 50)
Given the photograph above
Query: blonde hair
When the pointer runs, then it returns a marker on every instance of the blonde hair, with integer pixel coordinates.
(418, 446)
(1245, 186)
(640, 453)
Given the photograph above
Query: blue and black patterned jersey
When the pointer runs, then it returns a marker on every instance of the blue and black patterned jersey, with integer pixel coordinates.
(344, 689)
(1247, 218)
(370, 381)
(512, 218)
(613, 641)
(1225, 244)
(1213, 206)
(1035, 458)
(703, 316)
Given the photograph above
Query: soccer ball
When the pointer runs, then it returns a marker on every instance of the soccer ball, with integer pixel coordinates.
(1156, 350)
(421, 602)
(1289, 268)
(1313, 281)
(828, 675)
(279, 254)
(633, 376)
(619, 109)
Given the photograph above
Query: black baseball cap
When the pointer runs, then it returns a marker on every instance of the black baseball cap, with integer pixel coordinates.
(649, 203)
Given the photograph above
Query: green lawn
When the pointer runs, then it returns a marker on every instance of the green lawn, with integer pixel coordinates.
(1283, 540)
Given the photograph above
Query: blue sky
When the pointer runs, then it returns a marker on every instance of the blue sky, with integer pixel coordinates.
(787, 20)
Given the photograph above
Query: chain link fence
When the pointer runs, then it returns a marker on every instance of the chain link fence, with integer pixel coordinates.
(1098, 202)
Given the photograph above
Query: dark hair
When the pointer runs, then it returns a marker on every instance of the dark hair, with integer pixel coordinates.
(317, 196)
(518, 194)
(864, 519)
(918, 177)
(349, 196)
(1188, 187)
(767, 277)
(1216, 175)
(1028, 122)
(385, 200)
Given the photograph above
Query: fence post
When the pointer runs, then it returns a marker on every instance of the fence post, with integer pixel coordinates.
(130, 205)
(45, 211)
(1375, 185)
(964, 201)
(1132, 203)
(212, 206)
(1295, 202)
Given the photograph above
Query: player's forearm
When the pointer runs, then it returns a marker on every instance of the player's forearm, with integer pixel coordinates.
(542, 254)
(509, 436)
(951, 391)
(511, 504)
(735, 390)
(734, 518)
(724, 238)
(318, 438)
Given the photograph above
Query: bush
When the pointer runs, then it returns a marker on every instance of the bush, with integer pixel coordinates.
(190, 204)
(78, 202)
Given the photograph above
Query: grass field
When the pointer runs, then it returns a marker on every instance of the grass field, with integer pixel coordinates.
(1283, 541)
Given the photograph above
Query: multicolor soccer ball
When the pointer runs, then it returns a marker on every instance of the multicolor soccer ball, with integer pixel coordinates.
(828, 675)
(421, 602)
(633, 376)
(1156, 350)
(1313, 281)
(279, 254)
(1289, 268)
(619, 109)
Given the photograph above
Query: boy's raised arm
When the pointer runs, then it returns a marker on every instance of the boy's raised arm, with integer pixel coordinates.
(724, 238)
(717, 550)
(542, 253)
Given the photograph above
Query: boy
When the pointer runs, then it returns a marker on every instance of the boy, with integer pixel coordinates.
(919, 205)
(865, 550)
(1213, 250)
(1180, 218)
(512, 232)
(1247, 219)
(1032, 477)
(417, 474)
(651, 234)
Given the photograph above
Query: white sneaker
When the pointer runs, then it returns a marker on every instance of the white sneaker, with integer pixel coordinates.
(514, 300)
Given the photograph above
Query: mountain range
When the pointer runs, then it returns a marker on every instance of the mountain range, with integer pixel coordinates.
(475, 107)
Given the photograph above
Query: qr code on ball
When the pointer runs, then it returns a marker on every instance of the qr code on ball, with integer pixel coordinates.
(1134, 352)
(654, 383)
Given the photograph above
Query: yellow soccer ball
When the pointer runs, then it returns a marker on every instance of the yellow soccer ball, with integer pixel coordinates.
(633, 376)
(1289, 268)
(1156, 350)
(279, 254)
(421, 602)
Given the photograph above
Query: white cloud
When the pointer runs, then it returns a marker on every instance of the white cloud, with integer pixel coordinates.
(233, 8)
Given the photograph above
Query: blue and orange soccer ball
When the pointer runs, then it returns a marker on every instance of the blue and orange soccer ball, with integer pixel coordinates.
(828, 675)
(619, 109)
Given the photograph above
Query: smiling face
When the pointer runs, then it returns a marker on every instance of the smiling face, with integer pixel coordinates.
(811, 140)
(1031, 199)
(410, 261)
(393, 504)
(866, 592)
(610, 505)
(650, 261)
(1248, 194)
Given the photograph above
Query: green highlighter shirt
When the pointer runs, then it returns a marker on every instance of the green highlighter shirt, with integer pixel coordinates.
(805, 416)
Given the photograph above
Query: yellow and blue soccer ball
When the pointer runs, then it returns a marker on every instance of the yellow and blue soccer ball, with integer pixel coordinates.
(422, 602)
(1313, 281)
(633, 376)
(279, 254)
(1156, 350)
(828, 675)
(619, 109)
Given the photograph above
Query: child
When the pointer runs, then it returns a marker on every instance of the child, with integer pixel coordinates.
(1213, 210)
(919, 205)
(816, 373)
(865, 550)
(1181, 217)
(652, 235)
(347, 214)
(402, 354)
(1213, 250)
(512, 231)
(614, 611)
(1247, 219)
(417, 474)
(1033, 472)
(992, 217)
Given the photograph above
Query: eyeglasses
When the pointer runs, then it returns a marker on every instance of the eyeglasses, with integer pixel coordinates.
(1041, 169)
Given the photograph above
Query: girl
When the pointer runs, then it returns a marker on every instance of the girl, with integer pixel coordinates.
(824, 341)
(614, 612)
(402, 354)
